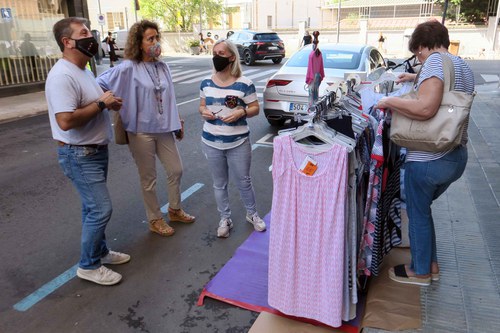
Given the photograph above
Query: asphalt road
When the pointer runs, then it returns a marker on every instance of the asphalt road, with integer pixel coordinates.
(40, 231)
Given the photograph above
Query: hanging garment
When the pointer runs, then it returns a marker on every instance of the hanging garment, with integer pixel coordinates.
(372, 200)
(306, 250)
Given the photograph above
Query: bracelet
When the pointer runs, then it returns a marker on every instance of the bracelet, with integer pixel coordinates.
(245, 111)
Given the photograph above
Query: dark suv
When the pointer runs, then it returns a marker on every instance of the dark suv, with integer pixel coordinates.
(258, 46)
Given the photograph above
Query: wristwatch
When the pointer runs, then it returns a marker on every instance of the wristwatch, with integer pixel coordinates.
(101, 105)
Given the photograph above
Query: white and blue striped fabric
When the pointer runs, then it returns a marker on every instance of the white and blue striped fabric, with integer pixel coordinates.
(216, 133)
(464, 82)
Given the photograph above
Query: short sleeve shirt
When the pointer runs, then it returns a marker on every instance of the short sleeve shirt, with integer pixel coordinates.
(464, 82)
(216, 133)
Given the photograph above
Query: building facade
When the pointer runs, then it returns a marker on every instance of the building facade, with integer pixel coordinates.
(27, 46)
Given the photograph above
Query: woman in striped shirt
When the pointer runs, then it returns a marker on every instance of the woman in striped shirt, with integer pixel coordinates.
(227, 99)
(428, 175)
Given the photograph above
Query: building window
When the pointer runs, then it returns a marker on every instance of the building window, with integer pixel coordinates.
(426, 8)
(269, 21)
(116, 21)
(364, 12)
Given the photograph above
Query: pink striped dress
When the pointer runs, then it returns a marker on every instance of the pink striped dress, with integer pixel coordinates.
(306, 249)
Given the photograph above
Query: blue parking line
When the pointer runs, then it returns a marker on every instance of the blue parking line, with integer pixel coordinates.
(45, 290)
(186, 194)
(51, 286)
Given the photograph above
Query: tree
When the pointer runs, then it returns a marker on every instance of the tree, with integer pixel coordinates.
(182, 14)
(471, 11)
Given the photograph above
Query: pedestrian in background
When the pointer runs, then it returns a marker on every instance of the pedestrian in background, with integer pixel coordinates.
(202, 43)
(428, 175)
(151, 120)
(307, 39)
(81, 126)
(381, 40)
(30, 54)
(227, 99)
(110, 42)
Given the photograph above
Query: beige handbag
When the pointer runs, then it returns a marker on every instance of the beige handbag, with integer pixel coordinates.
(121, 137)
(441, 132)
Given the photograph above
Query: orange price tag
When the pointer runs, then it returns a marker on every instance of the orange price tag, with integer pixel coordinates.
(310, 168)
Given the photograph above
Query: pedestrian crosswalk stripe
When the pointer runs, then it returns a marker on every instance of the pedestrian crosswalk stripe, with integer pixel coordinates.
(196, 79)
(179, 72)
(249, 71)
(199, 75)
(261, 74)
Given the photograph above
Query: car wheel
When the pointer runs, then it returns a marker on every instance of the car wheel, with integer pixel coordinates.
(248, 58)
(276, 122)
(277, 60)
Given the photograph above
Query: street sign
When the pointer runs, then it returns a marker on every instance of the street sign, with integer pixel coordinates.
(100, 19)
(6, 13)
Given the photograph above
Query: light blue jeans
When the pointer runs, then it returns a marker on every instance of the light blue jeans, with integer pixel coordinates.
(87, 168)
(237, 162)
(424, 182)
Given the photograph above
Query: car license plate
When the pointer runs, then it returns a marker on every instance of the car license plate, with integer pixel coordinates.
(296, 107)
(272, 47)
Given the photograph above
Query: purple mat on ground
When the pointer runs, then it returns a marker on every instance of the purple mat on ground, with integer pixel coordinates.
(243, 280)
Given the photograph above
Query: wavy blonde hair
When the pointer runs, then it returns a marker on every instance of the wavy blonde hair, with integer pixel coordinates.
(235, 66)
(133, 49)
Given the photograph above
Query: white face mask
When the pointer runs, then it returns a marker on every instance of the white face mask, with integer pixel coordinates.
(155, 50)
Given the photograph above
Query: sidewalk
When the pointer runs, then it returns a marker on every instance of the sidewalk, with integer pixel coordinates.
(33, 104)
(467, 298)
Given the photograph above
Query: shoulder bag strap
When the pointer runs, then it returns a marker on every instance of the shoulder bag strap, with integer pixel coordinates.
(449, 73)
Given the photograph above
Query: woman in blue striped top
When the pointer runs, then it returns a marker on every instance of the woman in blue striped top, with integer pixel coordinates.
(428, 175)
(227, 99)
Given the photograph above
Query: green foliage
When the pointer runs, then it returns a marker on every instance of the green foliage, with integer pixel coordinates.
(193, 43)
(182, 14)
(471, 11)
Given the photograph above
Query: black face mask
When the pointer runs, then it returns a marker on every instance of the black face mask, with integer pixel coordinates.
(220, 63)
(87, 46)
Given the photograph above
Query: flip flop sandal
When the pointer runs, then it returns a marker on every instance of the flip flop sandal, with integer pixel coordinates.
(435, 276)
(398, 274)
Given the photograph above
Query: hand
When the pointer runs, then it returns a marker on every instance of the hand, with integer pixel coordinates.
(179, 134)
(382, 103)
(406, 77)
(235, 115)
(112, 102)
(117, 105)
(207, 114)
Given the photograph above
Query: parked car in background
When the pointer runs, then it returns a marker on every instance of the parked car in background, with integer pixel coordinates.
(254, 46)
(286, 91)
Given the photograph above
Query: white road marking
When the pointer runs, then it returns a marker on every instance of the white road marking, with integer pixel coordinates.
(490, 78)
(199, 75)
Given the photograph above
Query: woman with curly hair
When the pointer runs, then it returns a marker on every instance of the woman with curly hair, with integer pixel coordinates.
(151, 120)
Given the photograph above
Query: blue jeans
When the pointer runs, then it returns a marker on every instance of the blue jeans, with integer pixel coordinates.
(87, 168)
(424, 182)
(237, 162)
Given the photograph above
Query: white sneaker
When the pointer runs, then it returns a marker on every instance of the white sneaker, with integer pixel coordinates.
(224, 226)
(101, 275)
(115, 258)
(258, 223)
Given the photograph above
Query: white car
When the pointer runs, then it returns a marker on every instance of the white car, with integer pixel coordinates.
(286, 91)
